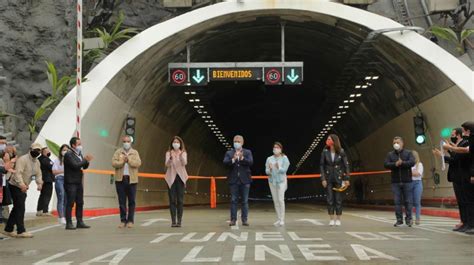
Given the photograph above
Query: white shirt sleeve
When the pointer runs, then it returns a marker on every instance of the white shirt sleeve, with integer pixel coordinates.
(420, 169)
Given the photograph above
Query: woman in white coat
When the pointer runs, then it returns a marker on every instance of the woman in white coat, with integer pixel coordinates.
(276, 167)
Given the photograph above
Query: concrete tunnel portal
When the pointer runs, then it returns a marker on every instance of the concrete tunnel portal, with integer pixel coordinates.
(413, 75)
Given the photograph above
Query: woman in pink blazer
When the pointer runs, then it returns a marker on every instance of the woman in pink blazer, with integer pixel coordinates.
(176, 177)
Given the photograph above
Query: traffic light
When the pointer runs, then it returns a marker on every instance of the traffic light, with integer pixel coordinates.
(130, 127)
(419, 124)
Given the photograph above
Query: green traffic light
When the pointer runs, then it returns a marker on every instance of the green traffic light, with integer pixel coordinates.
(420, 139)
(104, 133)
(446, 132)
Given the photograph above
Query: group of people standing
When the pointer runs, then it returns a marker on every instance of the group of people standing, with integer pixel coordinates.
(460, 158)
(17, 173)
(67, 174)
(239, 161)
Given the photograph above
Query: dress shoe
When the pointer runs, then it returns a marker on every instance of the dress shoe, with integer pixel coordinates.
(9, 234)
(82, 225)
(69, 226)
(24, 235)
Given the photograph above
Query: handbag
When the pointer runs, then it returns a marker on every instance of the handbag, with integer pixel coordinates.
(7, 196)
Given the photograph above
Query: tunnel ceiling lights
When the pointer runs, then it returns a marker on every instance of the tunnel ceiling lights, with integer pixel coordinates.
(327, 127)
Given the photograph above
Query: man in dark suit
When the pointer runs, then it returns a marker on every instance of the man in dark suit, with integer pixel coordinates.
(74, 163)
(239, 161)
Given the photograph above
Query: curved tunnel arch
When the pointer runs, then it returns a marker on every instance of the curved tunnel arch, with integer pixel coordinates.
(133, 80)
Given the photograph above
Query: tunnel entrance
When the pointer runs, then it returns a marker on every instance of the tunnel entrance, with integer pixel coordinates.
(340, 61)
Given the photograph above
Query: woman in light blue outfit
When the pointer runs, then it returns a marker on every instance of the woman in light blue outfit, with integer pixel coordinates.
(417, 175)
(58, 171)
(276, 167)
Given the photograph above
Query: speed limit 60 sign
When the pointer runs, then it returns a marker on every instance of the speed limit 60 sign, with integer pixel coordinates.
(178, 76)
(273, 75)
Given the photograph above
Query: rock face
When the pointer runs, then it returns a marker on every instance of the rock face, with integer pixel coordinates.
(33, 31)
(40, 30)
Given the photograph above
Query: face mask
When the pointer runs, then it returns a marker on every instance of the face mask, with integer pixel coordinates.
(276, 151)
(176, 146)
(237, 145)
(127, 146)
(454, 139)
(396, 146)
(3, 147)
(63, 153)
(78, 149)
(329, 142)
(34, 153)
(48, 155)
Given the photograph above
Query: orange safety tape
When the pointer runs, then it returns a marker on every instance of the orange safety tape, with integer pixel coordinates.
(161, 176)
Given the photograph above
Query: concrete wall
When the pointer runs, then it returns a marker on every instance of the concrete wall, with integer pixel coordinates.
(447, 109)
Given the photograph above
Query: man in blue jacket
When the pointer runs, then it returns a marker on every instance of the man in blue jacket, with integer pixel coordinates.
(400, 161)
(239, 161)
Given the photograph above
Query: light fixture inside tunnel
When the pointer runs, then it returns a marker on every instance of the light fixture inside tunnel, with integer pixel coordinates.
(342, 110)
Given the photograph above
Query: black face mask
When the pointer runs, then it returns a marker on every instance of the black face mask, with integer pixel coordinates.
(48, 155)
(465, 137)
(34, 153)
(454, 139)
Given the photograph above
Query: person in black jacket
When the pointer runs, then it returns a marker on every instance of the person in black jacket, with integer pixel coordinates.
(456, 173)
(468, 180)
(74, 163)
(48, 178)
(400, 161)
(334, 173)
(239, 160)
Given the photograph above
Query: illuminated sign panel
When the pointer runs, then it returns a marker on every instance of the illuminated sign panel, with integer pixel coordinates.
(235, 74)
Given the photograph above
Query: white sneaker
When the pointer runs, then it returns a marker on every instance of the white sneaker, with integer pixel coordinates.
(331, 223)
(62, 220)
(338, 223)
(282, 223)
(277, 223)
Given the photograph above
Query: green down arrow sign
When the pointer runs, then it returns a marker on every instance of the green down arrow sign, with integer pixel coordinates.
(293, 75)
(198, 76)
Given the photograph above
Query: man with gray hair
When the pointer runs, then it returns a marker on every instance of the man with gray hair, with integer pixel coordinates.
(400, 161)
(239, 160)
(126, 162)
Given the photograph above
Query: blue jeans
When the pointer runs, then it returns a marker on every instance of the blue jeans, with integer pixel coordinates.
(402, 192)
(417, 191)
(60, 194)
(239, 190)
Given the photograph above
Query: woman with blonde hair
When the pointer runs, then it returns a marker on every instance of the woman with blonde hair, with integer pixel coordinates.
(417, 175)
(176, 176)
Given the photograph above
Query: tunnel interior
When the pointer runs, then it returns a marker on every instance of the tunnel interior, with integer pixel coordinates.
(292, 114)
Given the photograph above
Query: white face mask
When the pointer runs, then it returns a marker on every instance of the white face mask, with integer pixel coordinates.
(276, 151)
(237, 145)
(79, 149)
(3, 147)
(396, 146)
(127, 146)
(176, 146)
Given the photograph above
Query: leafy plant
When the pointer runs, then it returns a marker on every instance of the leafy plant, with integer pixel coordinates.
(54, 147)
(60, 87)
(451, 36)
(110, 40)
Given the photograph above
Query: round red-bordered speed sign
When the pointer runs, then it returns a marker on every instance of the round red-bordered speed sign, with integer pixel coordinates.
(179, 76)
(273, 76)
